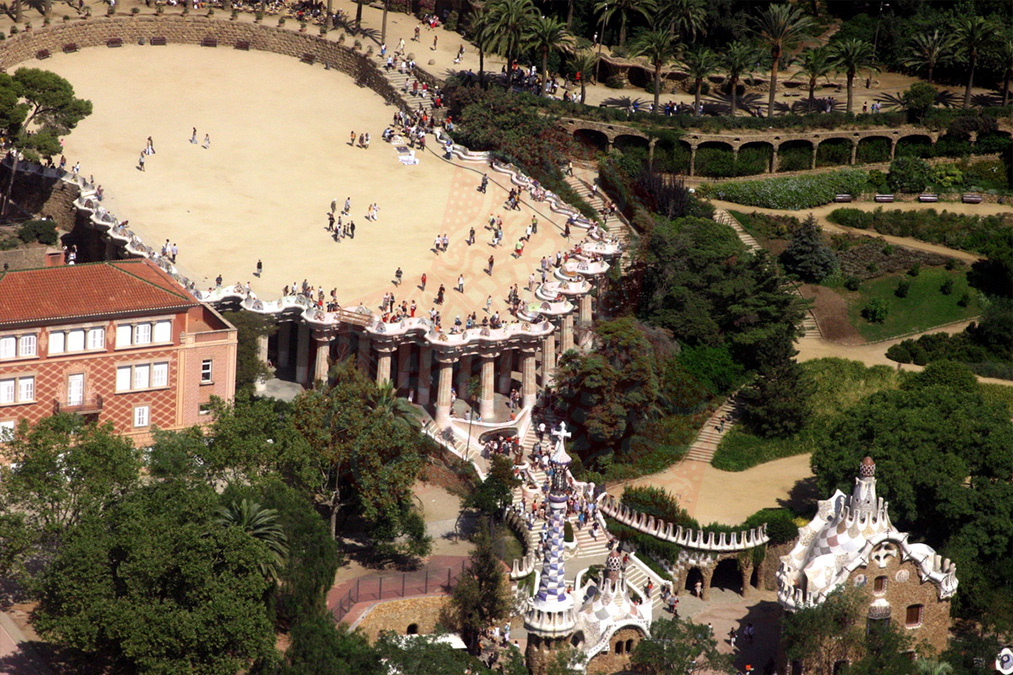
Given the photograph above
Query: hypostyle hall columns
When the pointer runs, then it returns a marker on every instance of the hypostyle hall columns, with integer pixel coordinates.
(302, 354)
(404, 359)
(529, 383)
(584, 309)
(487, 400)
(425, 374)
(549, 359)
(445, 363)
(383, 356)
(323, 358)
(566, 334)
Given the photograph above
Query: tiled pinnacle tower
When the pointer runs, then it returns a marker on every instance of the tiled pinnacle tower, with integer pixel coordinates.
(552, 616)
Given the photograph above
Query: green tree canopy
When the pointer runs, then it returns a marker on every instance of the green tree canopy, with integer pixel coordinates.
(809, 257)
(154, 584)
(679, 646)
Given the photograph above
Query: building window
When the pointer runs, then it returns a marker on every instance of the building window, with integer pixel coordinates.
(879, 585)
(872, 625)
(142, 416)
(17, 390)
(142, 376)
(14, 346)
(96, 339)
(6, 431)
(76, 340)
(914, 616)
(206, 371)
(145, 333)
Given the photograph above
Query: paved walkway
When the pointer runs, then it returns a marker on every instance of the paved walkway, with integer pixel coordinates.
(17, 657)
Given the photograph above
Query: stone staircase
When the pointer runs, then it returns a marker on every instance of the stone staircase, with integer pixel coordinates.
(581, 182)
(809, 324)
(637, 577)
(706, 443)
(397, 81)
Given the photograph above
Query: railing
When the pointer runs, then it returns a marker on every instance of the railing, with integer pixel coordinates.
(395, 586)
(83, 407)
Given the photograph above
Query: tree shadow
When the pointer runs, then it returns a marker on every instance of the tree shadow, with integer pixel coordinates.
(624, 103)
(802, 497)
(35, 656)
(760, 651)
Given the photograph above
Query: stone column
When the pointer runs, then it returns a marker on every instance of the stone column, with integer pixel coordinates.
(425, 374)
(735, 152)
(708, 574)
(443, 392)
(383, 365)
(775, 160)
(404, 359)
(463, 375)
(747, 573)
(322, 363)
(549, 360)
(487, 401)
(505, 367)
(584, 309)
(893, 148)
(566, 334)
(284, 340)
(816, 147)
(692, 160)
(529, 382)
(854, 150)
(302, 354)
(364, 352)
(260, 385)
(650, 152)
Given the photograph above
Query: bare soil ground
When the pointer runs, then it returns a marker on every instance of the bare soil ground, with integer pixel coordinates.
(831, 311)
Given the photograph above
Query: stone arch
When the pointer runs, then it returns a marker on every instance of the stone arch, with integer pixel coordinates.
(630, 141)
(577, 639)
(834, 151)
(629, 645)
(754, 157)
(413, 629)
(694, 575)
(715, 159)
(672, 156)
(914, 145)
(873, 150)
(728, 575)
(795, 155)
(592, 138)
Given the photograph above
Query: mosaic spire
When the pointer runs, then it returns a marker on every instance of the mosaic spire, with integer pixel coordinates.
(552, 611)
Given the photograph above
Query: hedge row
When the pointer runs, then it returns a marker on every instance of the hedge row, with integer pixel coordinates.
(792, 192)
(954, 230)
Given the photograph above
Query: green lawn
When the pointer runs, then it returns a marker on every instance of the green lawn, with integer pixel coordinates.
(924, 307)
(837, 385)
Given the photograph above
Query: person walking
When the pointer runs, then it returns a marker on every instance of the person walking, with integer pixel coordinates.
(423, 281)
(207, 142)
(193, 137)
(348, 205)
(397, 276)
(492, 261)
(140, 162)
(485, 183)
(471, 236)
(488, 304)
(260, 268)
(460, 283)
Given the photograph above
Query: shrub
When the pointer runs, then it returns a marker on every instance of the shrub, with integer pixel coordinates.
(915, 270)
(658, 503)
(919, 97)
(794, 192)
(850, 218)
(964, 300)
(852, 283)
(781, 527)
(903, 287)
(876, 311)
(42, 231)
(452, 20)
(909, 174)
(955, 230)
(947, 287)
(615, 82)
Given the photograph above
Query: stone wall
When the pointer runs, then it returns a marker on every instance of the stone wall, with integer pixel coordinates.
(611, 662)
(42, 195)
(192, 30)
(766, 576)
(397, 615)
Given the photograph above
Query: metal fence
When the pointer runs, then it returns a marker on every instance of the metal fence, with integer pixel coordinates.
(394, 586)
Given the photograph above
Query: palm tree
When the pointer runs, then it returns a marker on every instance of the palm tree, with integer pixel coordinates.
(780, 27)
(388, 403)
(928, 50)
(738, 59)
(972, 34)
(685, 18)
(624, 8)
(849, 57)
(933, 667)
(510, 22)
(816, 63)
(480, 36)
(262, 525)
(584, 62)
(548, 34)
(658, 46)
(1005, 57)
(700, 64)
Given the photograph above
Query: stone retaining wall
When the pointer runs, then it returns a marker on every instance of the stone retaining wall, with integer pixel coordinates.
(192, 30)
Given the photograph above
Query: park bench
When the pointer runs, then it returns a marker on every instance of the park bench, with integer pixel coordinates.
(70, 48)
(308, 58)
(884, 199)
(842, 198)
(209, 42)
(928, 197)
(158, 41)
(42, 54)
(114, 42)
(244, 45)
(971, 198)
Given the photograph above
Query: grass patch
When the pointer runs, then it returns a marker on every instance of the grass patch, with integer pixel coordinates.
(526, 585)
(507, 545)
(924, 307)
(837, 385)
(997, 393)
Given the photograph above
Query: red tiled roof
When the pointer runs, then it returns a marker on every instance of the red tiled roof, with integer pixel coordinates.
(90, 290)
